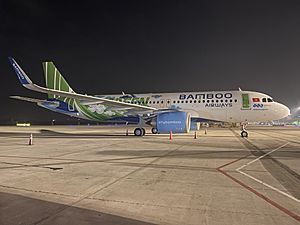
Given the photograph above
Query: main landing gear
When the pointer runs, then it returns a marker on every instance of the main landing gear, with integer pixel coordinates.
(244, 133)
(154, 130)
(139, 131)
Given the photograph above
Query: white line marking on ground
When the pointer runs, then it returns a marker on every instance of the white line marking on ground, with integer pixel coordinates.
(261, 182)
(260, 157)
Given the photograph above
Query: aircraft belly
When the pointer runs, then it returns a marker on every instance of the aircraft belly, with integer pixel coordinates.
(212, 114)
(234, 116)
(255, 116)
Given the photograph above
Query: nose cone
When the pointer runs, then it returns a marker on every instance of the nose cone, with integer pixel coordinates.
(282, 111)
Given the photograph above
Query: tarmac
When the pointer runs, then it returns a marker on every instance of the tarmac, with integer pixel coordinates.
(98, 175)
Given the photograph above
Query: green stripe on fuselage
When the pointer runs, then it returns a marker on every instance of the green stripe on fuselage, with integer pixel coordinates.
(246, 101)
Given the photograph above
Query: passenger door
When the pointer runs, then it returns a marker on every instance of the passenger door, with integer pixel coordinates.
(167, 103)
(246, 101)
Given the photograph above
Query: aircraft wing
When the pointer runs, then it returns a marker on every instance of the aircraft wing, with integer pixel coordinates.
(27, 83)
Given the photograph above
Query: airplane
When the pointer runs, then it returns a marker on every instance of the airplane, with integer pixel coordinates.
(164, 112)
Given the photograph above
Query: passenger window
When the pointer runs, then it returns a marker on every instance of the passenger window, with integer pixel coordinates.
(217, 101)
(182, 101)
(226, 100)
(162, 102)
(178, 101)
(203, 101)
(235, 100)
(191, 101)
(149, 102)
(230, 100)
(221, 100)
(199, 101)
(186, 101)
(207, 101)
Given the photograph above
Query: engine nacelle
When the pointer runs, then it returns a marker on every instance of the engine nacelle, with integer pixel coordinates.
(177, 122)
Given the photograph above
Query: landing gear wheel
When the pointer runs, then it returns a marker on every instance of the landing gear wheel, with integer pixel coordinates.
(144, 131)
(244, 134)
(138, 132)
(154, 130)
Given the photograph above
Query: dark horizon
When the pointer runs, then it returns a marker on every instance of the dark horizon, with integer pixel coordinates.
(150, 46)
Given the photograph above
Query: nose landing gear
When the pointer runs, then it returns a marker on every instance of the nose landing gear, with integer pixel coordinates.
(244, 133)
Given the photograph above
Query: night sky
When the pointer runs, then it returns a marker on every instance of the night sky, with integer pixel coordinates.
(104, 47)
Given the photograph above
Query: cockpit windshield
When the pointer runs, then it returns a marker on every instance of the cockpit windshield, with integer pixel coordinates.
(267, 100)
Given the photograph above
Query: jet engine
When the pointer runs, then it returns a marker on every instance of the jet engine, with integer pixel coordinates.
(177, 122)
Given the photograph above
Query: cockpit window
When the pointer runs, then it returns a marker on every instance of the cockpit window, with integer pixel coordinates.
(267, 100)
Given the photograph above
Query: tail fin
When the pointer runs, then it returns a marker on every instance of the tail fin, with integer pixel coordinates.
(54, 80)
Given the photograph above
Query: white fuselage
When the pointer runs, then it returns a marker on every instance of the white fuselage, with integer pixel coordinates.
(227, 106)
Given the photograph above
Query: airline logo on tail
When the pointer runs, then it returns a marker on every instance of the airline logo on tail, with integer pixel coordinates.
(20, 73)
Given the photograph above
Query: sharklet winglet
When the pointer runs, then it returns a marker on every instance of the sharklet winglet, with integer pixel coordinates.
(23, 78)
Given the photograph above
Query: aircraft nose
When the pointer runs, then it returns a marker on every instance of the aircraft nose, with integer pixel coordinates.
(284, 110)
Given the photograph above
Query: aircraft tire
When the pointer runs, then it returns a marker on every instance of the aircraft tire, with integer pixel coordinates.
(244, 134)
(144, 131)
(154, 130)
(138, 131)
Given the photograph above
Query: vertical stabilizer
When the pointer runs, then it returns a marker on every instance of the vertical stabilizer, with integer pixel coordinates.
(55, 80)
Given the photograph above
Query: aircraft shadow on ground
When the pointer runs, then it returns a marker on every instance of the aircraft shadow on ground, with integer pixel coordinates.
(17, 209)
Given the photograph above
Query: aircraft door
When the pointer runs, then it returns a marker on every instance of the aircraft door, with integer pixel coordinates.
(161, 103)
(167, 103)
(246, 107)
(245, 101)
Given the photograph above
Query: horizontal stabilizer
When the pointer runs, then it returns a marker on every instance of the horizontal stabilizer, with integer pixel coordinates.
(28, 99)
